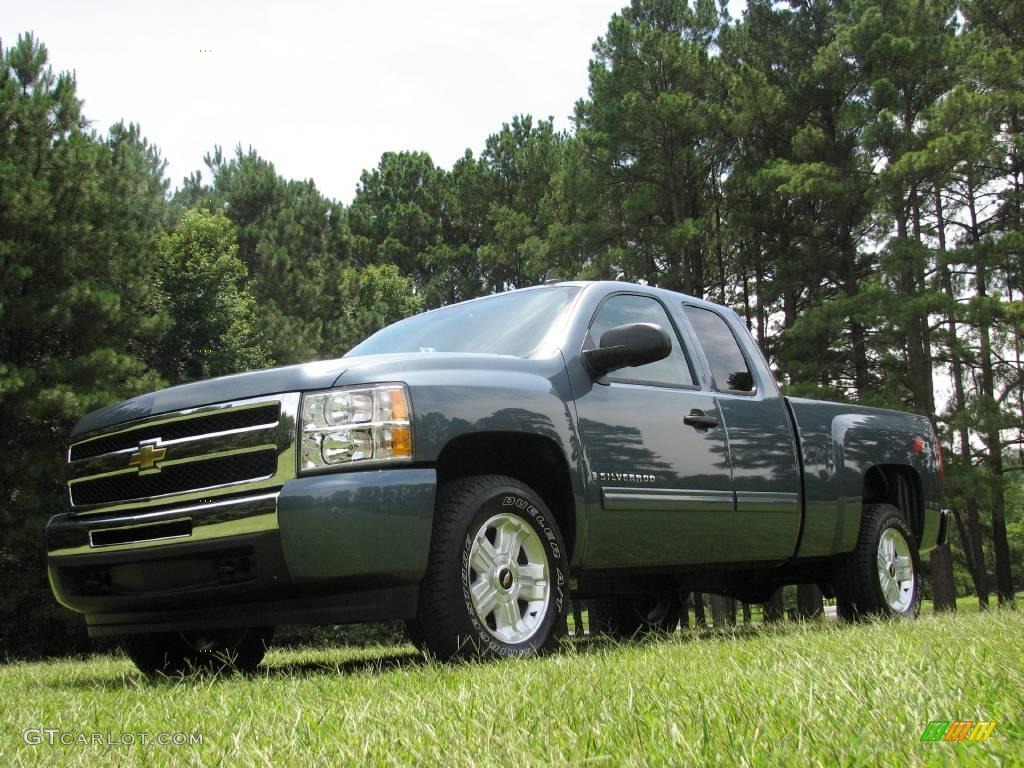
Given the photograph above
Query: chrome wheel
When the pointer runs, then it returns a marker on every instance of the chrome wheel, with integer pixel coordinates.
(509, 578)
(895, 570)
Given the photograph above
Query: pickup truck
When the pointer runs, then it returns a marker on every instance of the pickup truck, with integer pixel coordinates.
(472, 469)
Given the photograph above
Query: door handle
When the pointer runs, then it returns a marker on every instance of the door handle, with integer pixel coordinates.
(700, 420)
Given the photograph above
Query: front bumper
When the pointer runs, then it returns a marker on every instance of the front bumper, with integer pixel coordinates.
(349, 546)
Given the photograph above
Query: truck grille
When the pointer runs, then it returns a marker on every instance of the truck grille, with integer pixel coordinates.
(174, 430)
(202, 452)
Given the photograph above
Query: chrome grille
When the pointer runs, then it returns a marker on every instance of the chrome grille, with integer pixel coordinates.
(200, 424)
(194, 476)
(199, 453)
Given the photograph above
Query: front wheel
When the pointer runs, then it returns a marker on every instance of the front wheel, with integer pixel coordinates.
(881, 577)
(497, 582)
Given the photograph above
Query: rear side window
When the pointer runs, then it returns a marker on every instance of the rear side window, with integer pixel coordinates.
(728, 365)
(672, 371)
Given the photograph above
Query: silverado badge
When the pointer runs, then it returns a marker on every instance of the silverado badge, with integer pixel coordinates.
(624, 477)
(149, 456)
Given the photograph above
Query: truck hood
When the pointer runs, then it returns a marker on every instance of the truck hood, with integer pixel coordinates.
(239, 386)
(292, 378)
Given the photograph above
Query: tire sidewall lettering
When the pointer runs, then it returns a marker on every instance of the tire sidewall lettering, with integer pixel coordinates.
(481, 635)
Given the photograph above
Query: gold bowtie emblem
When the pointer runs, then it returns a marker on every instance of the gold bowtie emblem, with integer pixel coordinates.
(148, 457)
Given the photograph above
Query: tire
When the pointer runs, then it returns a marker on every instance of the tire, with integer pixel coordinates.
(414, 635)
(497, 581)
(882, 576)
(633, 616)
(183, 653)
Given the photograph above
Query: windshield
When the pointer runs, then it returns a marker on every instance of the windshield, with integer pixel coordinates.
(514, 323)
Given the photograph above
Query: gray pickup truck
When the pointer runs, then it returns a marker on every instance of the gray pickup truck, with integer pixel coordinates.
(474, 468)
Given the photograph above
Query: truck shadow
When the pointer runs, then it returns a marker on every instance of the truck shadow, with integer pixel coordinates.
(386, 663)
(367, 665)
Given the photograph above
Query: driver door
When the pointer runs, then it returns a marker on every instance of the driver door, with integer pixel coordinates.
(660, 488)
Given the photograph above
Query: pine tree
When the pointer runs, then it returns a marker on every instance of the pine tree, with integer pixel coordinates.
(653, 126)
(79, 217)
(292, 239)
(518, 164)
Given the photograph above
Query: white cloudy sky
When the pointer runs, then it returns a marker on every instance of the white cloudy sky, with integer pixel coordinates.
(319, 88)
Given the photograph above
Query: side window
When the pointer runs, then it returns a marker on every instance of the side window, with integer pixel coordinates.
(619, 310)
(728, 366)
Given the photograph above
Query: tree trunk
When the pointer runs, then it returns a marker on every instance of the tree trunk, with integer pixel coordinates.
(943, 588)
(719, 251)
(789, 309)
(851, 286)
(980, 574)
(762, 319)
(723, 611)
(774, 609)
(746, 613)
(919, 366)
(990, 430)
(970, 535)
(699, 617)
(745, 284)
(809, 601)
(994, 445)
(577, 618)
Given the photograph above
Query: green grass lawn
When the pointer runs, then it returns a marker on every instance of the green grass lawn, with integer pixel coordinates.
(818, 693)
(969, 603)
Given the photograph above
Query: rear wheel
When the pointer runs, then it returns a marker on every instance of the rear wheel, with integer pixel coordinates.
(881, 577)
(178, 653)
(497, 581)
(635, 615)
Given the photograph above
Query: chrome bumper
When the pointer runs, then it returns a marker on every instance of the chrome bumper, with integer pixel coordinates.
(83, 534)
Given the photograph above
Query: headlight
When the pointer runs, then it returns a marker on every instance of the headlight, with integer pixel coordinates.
(353, 425)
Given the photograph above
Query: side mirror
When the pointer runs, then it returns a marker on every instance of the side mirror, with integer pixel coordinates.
(627, 345)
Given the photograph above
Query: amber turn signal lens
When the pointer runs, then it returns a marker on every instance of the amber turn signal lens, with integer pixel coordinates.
(401, 442)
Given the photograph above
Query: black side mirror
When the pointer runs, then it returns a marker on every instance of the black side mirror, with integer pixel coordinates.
(627, 345)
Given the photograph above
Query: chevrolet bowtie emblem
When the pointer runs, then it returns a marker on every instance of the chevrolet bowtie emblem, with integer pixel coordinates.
(148, 457)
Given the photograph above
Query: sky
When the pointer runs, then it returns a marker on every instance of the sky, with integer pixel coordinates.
(321, 89)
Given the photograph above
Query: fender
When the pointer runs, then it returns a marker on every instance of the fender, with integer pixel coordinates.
(461, 394)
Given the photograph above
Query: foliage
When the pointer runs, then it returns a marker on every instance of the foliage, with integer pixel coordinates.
(653, 129)
(370, 298)
(292, 239)
(78, 219)
(214, 327)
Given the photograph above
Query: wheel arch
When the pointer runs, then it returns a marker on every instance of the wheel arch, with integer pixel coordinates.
(537, 461)
(900, 486)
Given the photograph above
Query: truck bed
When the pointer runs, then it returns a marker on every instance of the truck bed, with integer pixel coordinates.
(844, 446)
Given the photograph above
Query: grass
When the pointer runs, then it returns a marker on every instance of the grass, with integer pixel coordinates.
(969, 603)
(815, 693)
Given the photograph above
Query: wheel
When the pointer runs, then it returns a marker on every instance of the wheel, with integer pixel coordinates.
(179, 653)
(635, 615)
(497, 581)
(881, 577)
